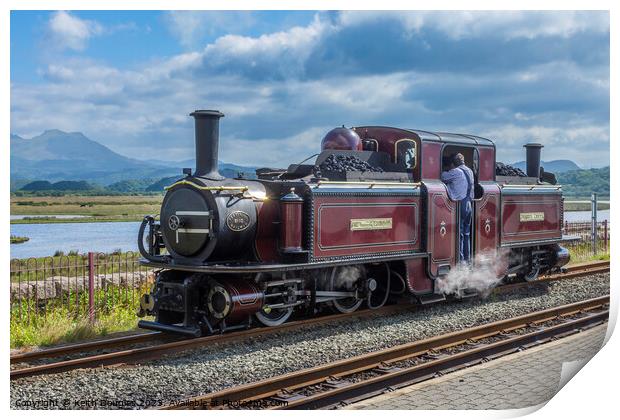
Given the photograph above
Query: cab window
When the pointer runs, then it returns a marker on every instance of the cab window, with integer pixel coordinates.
(405, 153)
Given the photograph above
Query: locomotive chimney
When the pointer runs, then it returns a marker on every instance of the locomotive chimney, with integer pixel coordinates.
(532, 159)
(207, 143)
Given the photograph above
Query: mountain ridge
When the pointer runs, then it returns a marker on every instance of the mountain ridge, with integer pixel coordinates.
(555, 166)
(56, 155)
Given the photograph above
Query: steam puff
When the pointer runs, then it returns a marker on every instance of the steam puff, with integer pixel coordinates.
(344, 278)
(482, 276)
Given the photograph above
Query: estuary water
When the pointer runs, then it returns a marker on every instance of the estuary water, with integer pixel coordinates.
(47, 238)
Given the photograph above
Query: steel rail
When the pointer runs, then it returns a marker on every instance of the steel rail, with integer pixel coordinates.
(571, 272)
(150, 352)
(286, 383)
(85, 346)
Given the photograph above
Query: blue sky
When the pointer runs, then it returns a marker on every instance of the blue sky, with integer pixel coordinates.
(128, 79)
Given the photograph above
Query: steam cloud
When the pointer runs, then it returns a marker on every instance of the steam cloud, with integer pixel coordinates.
(345, 278)
(481, 277)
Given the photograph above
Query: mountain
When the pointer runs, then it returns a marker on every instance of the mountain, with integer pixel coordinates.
(555, 166)
(56, 155)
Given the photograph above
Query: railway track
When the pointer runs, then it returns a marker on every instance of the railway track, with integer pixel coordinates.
(351, 380)
(570, 272)
(150, 352)
(119, 350)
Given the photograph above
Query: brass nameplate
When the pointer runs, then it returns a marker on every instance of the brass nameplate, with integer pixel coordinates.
(371, 224)
(532, 217)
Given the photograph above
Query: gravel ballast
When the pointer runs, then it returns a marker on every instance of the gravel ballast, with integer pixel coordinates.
(220, 366)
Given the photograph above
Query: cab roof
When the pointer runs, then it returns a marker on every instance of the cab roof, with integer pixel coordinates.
(443, 137)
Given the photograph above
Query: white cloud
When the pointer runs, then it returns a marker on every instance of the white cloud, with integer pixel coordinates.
(190, 27)
(281, 53)
(69, 31)
(504, 24)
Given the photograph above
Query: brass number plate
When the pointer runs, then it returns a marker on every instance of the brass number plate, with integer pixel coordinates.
(371, 224)
(532, 217)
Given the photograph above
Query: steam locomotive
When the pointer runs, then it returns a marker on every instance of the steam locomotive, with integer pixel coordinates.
(367, 222)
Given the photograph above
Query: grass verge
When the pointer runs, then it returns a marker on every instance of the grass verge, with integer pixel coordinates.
(39, 324)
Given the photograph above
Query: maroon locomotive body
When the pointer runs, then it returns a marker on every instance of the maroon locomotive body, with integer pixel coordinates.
(368, 222)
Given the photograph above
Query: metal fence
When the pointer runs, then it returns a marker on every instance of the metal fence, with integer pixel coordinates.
(592, 240)
(77, 285)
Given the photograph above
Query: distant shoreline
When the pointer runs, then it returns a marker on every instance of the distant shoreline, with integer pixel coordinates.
(83, 209)
(130, 208)
(43, 221)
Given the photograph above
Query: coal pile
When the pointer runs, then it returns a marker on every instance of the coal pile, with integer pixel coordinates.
(342, 164)
(507, 170)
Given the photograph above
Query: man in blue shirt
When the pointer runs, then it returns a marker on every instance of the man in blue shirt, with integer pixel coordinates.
(459, 180)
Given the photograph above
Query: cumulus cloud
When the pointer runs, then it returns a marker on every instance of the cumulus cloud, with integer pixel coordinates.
(69, 31)
(278, 55)
(474, 24)
(190, 27)
(512, 77)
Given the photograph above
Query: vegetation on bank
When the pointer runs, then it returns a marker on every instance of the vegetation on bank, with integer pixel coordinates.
(124, 208)
(582, 252)
(64, 318)
(56, 322)
(19, 239)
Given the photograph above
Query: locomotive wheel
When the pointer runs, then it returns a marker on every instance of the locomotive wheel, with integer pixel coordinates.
(379, 297)
(272, 317)
(531, 274)
(345, 305)
(275, 317)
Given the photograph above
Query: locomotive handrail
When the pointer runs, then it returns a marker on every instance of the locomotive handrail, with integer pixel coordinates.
(242, 188)
(148, 220)
(531, 187)
(372, 183)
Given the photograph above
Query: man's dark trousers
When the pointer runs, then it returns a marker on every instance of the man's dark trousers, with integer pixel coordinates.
(465, 229)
